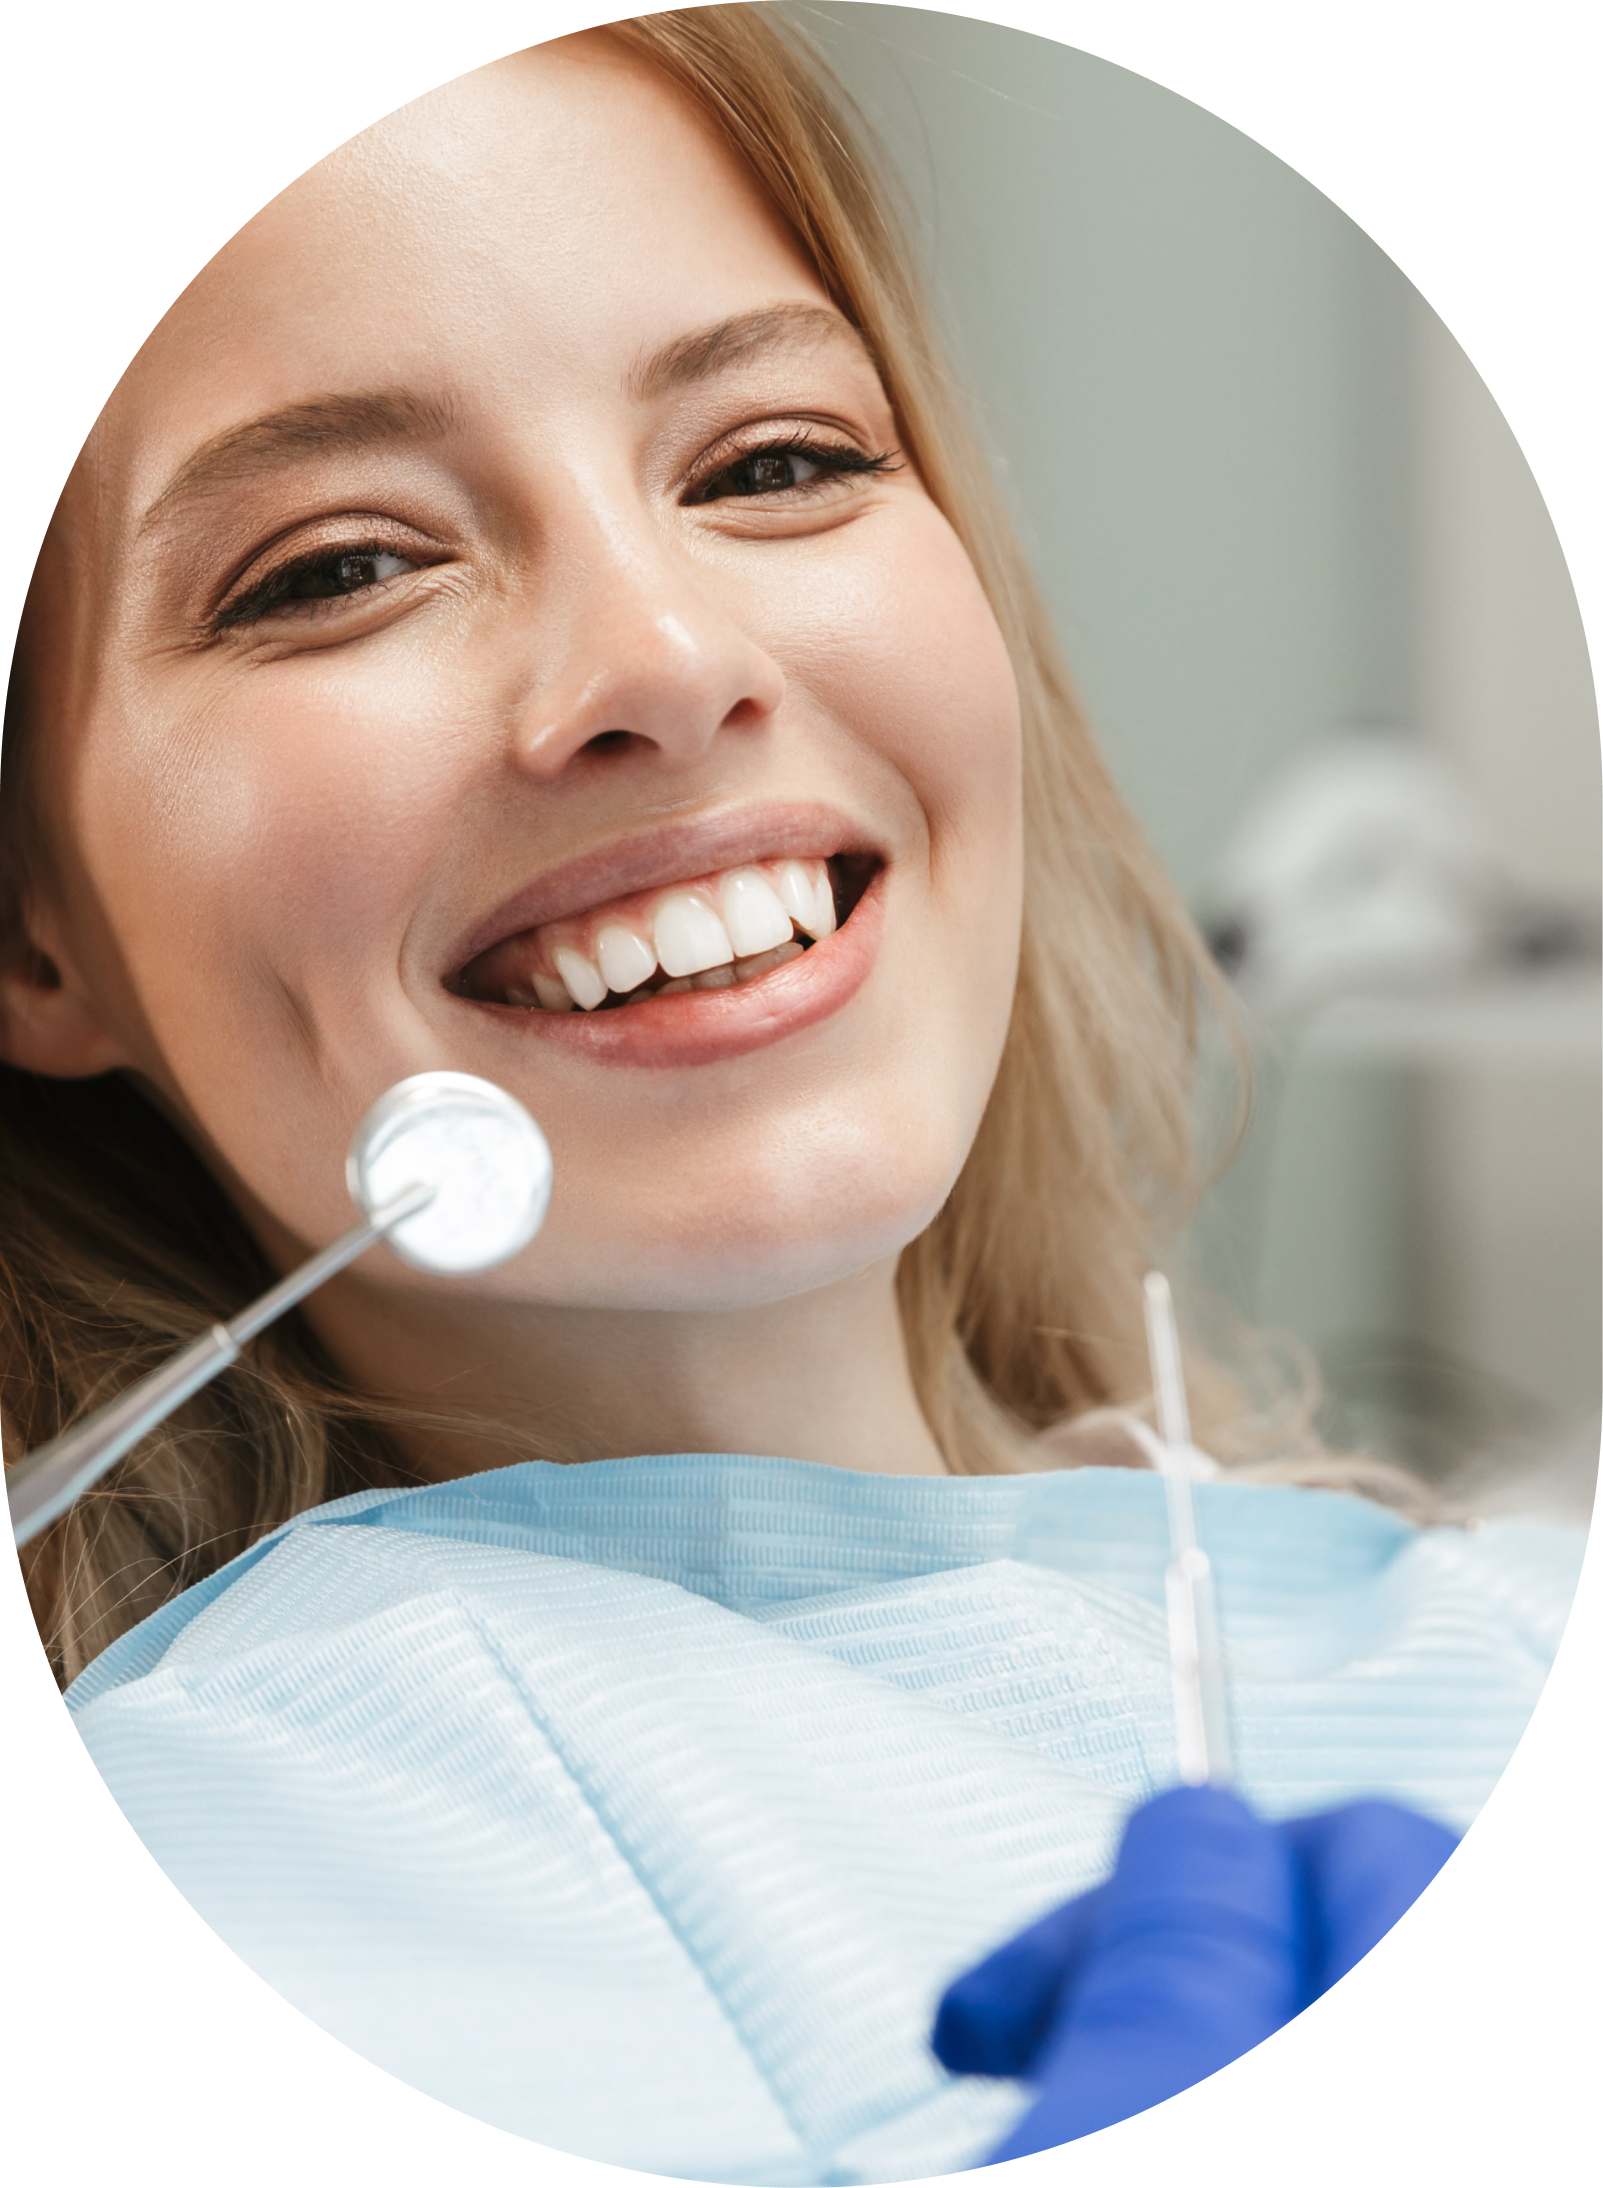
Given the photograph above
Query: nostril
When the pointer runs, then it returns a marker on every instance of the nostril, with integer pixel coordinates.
(609, 741)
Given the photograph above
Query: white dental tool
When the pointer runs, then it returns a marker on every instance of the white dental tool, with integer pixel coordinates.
(450, 1171)
(1201, 1715)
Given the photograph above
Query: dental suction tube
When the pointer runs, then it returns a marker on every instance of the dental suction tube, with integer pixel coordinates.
(1196, 1657)
(450, 1171)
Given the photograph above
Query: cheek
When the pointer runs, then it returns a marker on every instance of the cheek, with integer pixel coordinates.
(257, 866)
(915, 662)
(908, 653)
(947, 719)
(304, 813)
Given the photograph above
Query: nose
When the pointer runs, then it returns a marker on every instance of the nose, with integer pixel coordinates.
(637, 652)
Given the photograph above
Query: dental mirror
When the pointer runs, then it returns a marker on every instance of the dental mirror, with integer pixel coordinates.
(449, 1170)
(482, 1155)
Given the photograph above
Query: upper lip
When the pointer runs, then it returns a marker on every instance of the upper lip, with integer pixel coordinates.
(681, 851)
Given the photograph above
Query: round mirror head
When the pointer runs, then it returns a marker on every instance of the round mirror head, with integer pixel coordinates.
(479, 1150)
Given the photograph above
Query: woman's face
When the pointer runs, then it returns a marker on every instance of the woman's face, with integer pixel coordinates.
(497, 578)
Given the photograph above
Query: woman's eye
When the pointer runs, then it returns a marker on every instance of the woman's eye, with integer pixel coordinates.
(333, 576)
(768, 471)
(350, 572)
(783, 470)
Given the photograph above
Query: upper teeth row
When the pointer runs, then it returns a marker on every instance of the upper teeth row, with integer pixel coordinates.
(744, 913)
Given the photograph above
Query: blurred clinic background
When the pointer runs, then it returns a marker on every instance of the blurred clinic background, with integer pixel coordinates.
(1324, 629)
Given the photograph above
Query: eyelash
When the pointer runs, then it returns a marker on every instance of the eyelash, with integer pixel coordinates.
(832, 459)
(271, 594)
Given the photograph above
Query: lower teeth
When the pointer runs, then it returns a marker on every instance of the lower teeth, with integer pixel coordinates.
(752, 968)
(740, 974)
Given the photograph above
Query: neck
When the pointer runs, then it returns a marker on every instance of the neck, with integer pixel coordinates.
(820, 1377)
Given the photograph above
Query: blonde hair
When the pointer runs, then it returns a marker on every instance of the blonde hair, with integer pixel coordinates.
(1021, 1302)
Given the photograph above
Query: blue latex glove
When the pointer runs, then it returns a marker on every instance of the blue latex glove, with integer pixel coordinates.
(1214, 1930)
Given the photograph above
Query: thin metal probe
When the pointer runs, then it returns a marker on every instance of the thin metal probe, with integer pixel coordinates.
(41, 1487)
(1201, 1707)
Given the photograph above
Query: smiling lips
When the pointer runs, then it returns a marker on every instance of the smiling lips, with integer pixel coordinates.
(721, 930)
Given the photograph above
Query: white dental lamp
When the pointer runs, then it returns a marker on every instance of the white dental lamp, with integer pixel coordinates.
(450, 1171)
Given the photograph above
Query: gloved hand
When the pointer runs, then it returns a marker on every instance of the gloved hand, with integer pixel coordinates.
(1214, 1929)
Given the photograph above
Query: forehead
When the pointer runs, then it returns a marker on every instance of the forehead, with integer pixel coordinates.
(523, 238)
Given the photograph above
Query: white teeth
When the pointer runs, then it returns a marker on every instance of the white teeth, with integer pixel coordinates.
(625, 959)
(689, 935)
(805, 893)
(580, 978)
(753, 968)
(551, 994)
(697, 945)
(823, 922)
(795, 890)
(753, 915)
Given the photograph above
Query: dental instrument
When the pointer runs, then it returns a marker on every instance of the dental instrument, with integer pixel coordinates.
(449, 1170)
(1201, 1712)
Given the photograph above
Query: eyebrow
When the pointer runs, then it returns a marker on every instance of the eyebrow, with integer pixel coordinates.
(729, 342)
(295, 435)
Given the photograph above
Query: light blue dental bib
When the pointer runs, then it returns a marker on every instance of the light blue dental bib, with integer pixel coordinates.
(645, 1807)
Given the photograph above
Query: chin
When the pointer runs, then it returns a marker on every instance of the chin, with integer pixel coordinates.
(792, 1230)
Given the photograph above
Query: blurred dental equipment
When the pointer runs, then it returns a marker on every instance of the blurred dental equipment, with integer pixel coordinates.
(450, 1171)
(1201, 1715)
(1368, 868)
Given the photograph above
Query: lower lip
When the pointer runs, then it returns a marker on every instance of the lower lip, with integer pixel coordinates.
(709, 1025)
